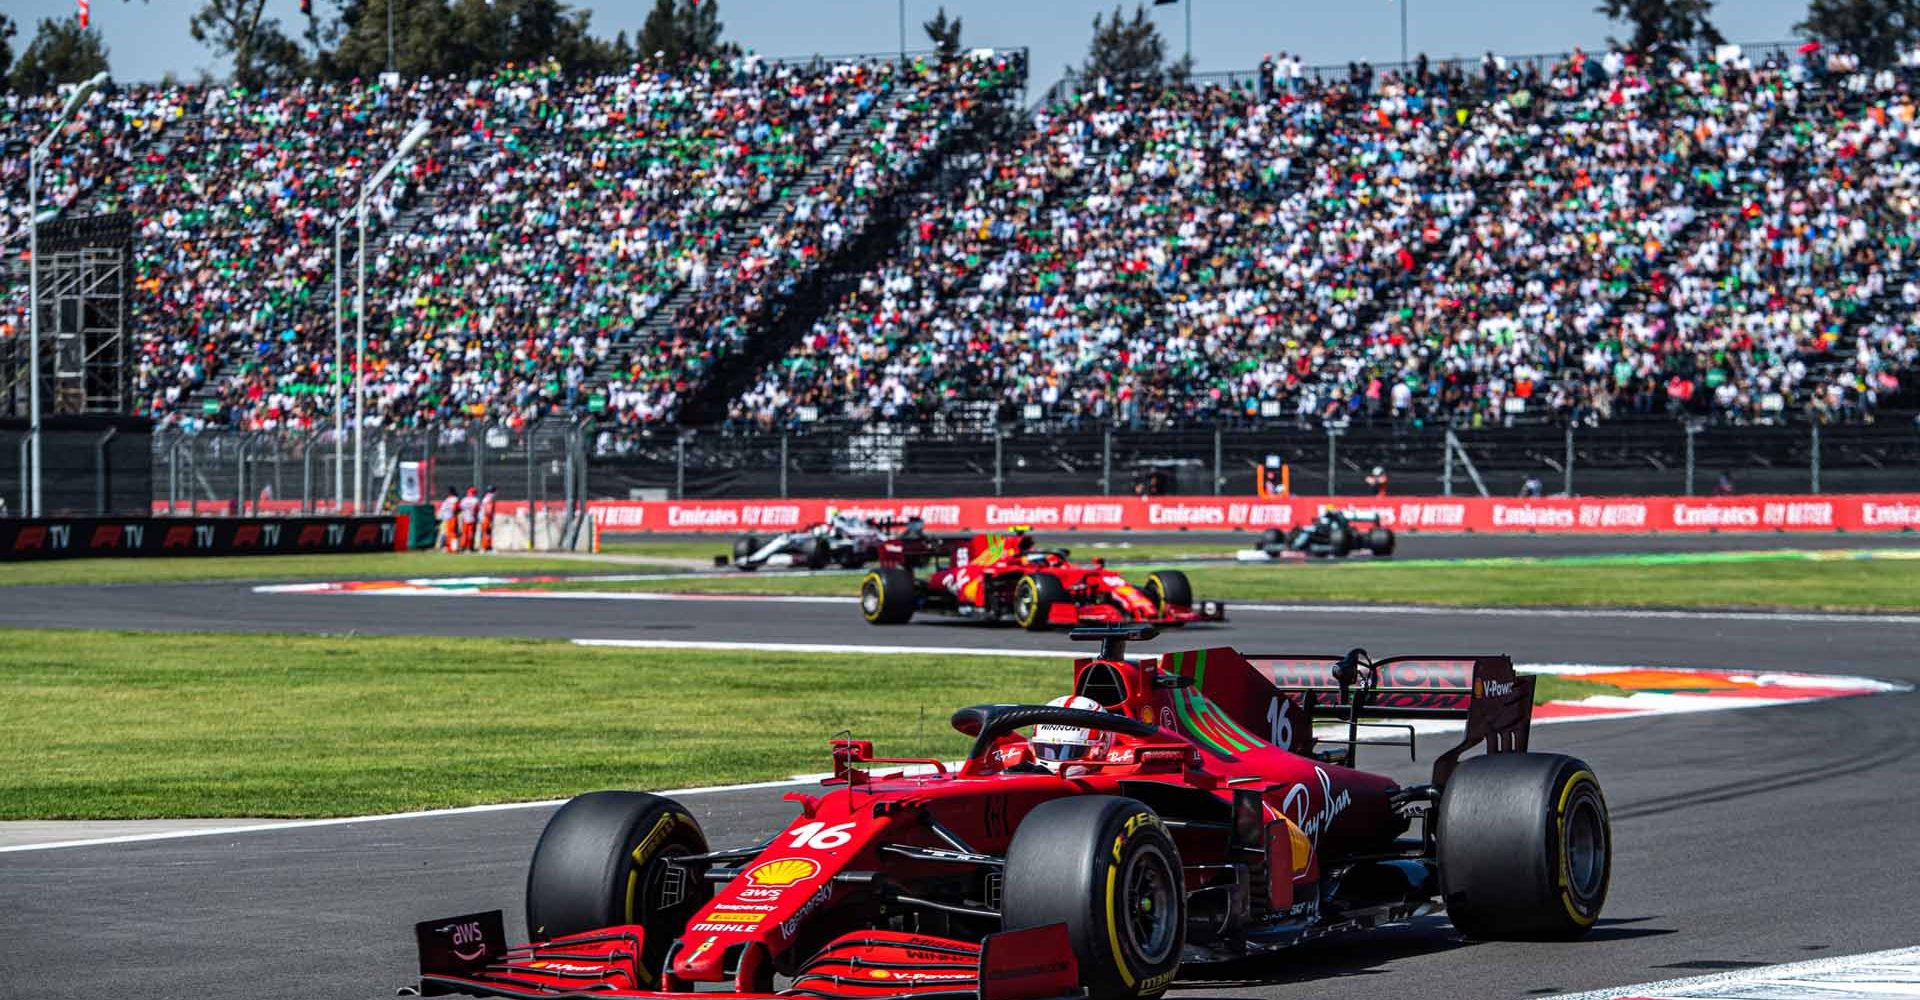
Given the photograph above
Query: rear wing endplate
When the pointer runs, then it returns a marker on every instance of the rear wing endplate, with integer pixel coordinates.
(1494, 703)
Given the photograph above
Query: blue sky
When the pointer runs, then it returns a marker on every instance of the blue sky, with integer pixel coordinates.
(149, 38)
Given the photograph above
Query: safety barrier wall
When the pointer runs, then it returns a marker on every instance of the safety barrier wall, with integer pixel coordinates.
(101, 537)
(1850, 512)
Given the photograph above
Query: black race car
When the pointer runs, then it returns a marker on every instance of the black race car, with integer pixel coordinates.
(1335, 534)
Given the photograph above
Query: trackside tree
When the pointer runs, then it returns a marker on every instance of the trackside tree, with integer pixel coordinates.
(1664, 28)
(944, 33)
(61, 52)
(683, 29)
(1126, 50)
(1875, 30)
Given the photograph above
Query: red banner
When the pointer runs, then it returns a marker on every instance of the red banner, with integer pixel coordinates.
(1622, 515)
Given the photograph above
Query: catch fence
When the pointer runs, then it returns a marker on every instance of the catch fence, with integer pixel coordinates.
(1620, 458)
(559, 465)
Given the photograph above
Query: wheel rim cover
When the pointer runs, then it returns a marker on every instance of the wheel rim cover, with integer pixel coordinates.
(1586, 848)
(1148, 904)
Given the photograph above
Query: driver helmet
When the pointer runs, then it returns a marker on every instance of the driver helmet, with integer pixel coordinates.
(1025, 544)
(1056, 746)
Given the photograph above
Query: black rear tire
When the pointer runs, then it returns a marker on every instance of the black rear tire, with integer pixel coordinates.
(1033, 600)
(1106, 867)
(744, 547)
(1169, 589)
(1380, 541)
(815, 553)
(886, 597)
(601, 862)
(1525, 847)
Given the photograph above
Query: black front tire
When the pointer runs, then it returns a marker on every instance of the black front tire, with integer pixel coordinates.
(602, 862)
(1169, 589)
(743, 548)
(1525, 847)
(1339, 542)
(1273, 540)
(1033, 600)
(886, 597)
(1106, 867)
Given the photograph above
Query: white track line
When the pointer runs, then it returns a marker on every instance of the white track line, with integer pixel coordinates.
(1629, 613)
(814, 647)
(596, 595)
(1574, 669)
(1879, 974)
(1431, 610)
(305, 824)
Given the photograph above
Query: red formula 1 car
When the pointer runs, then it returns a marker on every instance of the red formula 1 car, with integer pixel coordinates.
(1196, 818)
(996, 576)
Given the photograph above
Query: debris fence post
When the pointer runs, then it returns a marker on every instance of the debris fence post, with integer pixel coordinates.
(1219, 473)
(999, 475)
(1567, 470)
(1693, 431)
(1106, 462)
(1814, 467)
(680, 466)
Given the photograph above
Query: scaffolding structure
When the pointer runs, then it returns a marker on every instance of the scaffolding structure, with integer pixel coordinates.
(85, 278)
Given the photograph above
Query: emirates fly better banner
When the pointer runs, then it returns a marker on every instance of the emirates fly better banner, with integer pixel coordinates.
(1853, 512)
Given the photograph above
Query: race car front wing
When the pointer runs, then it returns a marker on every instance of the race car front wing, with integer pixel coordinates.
(468, 955)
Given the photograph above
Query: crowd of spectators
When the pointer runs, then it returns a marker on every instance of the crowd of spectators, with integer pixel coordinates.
(1474, 242)
(1456, 243)
(545, 219)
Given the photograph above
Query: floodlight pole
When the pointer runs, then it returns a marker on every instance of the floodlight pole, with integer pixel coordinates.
(33, 331)
(35, 505)
(360, 361)
(1403, 35)
(413, 137)
(339, 394)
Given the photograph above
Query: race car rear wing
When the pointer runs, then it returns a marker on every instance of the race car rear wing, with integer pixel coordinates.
(1282, 696)
(1483, 692)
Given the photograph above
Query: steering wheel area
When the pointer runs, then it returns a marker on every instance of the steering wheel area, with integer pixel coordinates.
(987, 723)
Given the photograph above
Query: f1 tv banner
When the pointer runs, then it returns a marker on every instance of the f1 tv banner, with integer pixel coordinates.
(139, 537)
(1601, 515)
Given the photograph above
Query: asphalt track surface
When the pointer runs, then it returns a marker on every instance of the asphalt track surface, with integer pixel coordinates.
(1741, 838)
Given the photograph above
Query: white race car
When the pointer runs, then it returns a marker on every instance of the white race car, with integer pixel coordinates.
(840, 540)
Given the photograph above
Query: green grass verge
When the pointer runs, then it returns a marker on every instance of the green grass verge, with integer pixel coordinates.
(105, 725)
(371, 566)
(703, 550)
(1840, 585)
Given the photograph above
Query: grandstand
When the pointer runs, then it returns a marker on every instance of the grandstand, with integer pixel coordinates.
(772, 243)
